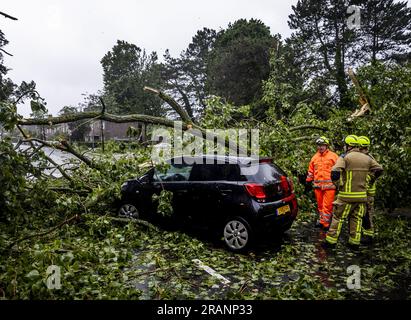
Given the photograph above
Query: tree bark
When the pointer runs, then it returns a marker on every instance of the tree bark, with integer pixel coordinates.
(97, 115)
(186, 125)
(181, 112)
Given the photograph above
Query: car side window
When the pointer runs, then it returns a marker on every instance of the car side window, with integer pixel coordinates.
(215, 172)
(176, 172)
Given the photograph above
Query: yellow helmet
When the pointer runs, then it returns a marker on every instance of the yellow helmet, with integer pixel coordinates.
(364, 141)
(322, 140)
(351, 140)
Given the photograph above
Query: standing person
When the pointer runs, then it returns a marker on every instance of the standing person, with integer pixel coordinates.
(353, 168)
(319, 172)
(367, 222)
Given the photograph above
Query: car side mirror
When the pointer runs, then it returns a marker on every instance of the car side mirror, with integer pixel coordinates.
(144, 179)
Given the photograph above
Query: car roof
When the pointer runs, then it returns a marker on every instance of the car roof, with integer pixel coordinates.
(211, 158)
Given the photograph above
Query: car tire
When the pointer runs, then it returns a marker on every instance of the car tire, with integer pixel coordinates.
(128, 210)
(237, 234)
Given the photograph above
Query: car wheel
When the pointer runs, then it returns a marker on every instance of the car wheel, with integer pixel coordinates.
(237, 234)
(128, 210)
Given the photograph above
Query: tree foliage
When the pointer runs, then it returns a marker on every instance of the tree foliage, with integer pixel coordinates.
(127, 69)
(78, 129)
(239, 61)
(186, 76)
(68, 220)
(385, 32)
(332, 46)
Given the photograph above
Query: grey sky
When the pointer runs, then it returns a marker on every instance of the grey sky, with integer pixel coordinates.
(59, 44)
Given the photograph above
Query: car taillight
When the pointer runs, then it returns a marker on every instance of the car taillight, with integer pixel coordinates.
(255, 190)
(284, 184)
(266, 160)
(290, 181)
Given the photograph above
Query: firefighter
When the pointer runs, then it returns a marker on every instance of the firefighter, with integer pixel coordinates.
(319, 172)
(367, 223)
(353, 170)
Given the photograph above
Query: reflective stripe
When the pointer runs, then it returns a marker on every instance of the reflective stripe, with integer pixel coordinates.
(355, 195)
(346, 211)
(357, 239)
(373, 188)
(323, 181)
(360, 214)
(354, 192)
(331, 240)
(348, 181)
(353, 241)
(369, 233)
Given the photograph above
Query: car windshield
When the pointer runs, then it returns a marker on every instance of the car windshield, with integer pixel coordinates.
(215, 172)
(266, 172)
(175, 172)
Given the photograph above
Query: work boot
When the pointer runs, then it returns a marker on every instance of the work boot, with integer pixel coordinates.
(367, 240)
(327, 245)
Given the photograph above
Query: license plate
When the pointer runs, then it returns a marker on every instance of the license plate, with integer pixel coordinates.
(283, 210)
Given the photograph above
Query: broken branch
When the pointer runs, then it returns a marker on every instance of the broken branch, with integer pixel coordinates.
(41, 234)
(7, 16)
(177, 108)
(64, 146)
(63, 173)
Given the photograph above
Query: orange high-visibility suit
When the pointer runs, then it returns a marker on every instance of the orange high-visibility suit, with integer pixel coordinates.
(319, 171)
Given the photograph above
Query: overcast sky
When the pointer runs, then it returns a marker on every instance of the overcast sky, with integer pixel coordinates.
(59, 44)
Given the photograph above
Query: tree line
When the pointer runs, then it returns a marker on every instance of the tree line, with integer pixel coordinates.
(246, 64)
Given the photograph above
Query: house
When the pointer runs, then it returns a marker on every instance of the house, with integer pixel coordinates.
(111, 130)
(46, 132)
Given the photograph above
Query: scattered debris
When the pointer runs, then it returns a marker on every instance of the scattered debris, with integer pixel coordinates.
(211, 271)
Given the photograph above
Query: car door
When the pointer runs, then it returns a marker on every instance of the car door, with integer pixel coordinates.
(227, 190)
(209, 188)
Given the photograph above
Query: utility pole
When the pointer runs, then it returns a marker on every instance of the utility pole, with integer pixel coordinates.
(101, 124)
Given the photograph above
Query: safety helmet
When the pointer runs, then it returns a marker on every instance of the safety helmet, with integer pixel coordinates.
(351, 140)
(322, 140)
(364, 141)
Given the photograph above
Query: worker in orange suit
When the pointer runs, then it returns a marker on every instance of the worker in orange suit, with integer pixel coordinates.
(319, 172)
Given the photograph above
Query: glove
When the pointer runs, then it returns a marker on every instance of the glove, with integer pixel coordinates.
(308, 187)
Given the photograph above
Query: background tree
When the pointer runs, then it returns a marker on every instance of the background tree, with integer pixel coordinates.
(78, 129)
(240, 61)
(6, 85)
(322, 26)
(385, 31)
(186, 76)
(291, 85)
(127, 69)
(331, 47)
